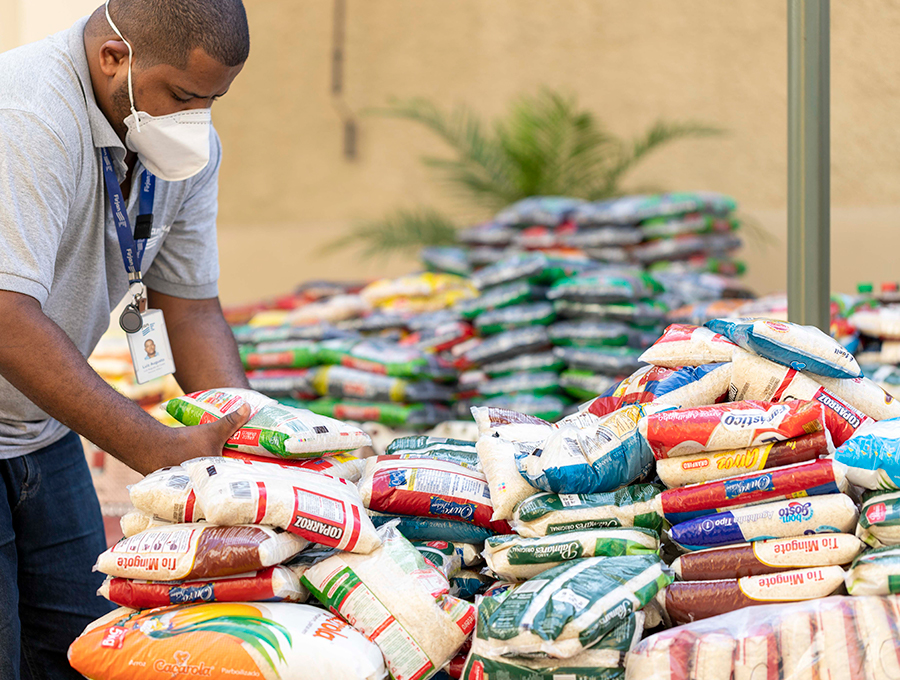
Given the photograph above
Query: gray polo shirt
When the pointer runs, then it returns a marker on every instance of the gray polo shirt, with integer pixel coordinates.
(57, 237)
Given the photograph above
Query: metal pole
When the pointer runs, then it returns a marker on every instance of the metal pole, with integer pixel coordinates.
(809, 158)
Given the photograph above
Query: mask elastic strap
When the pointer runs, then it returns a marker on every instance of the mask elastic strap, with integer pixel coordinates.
(137, 118)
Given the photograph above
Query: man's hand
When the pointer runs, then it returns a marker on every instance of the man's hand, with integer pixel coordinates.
(40, 361)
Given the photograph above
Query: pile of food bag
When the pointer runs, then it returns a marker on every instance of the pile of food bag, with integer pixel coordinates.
(734, 501)
(548, 305)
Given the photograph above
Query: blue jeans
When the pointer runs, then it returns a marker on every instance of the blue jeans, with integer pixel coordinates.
(51, 532)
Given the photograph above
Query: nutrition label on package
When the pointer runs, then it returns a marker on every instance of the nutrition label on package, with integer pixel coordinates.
(443, 483)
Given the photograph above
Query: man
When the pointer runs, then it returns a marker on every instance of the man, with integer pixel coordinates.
(132, 83)
(150, 349)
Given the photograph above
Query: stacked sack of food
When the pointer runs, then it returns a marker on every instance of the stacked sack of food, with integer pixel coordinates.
(694, 230)
(234, 531)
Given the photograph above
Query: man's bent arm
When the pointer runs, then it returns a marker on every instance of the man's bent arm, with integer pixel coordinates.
(203, 346)
(40, 361)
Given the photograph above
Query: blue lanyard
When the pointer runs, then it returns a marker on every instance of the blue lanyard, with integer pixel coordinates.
(131, 244)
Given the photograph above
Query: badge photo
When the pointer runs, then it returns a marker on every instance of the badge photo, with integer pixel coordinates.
(150, 350)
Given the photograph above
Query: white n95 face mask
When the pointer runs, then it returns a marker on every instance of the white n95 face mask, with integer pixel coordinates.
(173, 147)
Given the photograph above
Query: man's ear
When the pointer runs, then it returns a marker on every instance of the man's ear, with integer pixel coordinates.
(113, 56)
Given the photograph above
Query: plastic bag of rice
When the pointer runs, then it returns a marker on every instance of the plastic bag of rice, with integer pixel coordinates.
(507, 487)
(756, 378)
(710, 465)
(687, 345)
(517, 316)
(542, 361)
(513, 558)
(273, 430)
(466, 584)
(136, 521)
(568, 608)
(875, 572)
(167, 494)
(441, 555)
(601, 456)
(431, 529)
(873, 455)
(193, 551)
(686, 387)
(277, 641)
(550, 513)
(603, 661)
(275, 584)
(735, 425)
(614, 361)
(428, 488)
(830, 514)
(879, 518)
(438, 448)
(803, 348)
(319, 508)
(397, 601)
(865, 395)
(346, 466)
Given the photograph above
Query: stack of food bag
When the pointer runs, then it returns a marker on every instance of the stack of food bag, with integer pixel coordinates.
(692, 231)
(234, 531)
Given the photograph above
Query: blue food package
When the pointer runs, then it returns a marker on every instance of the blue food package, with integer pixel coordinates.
(833, 513)
(803, 348)
(429, 529)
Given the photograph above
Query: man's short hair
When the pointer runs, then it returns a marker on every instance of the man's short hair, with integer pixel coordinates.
(167, 31)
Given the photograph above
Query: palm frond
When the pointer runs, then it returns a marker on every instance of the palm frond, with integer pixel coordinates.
(479, 167)
(401, 231)
(630, 154)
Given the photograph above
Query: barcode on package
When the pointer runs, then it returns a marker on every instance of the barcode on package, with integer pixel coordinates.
(241, 490)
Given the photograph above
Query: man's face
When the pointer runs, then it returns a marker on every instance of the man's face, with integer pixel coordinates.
(163, 89)
(150, 348)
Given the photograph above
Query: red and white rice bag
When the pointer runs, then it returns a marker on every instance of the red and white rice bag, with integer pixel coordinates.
(865, 395)
(167, 494)
(428, 488)
(194, 551)
(275, 584)
(813, 478)
(687, 601)
(711, 465)
(687, 345)
(735, 425)
(756, 378)
(343, 465)
(685, 387)
(767, 557)
(321, 509)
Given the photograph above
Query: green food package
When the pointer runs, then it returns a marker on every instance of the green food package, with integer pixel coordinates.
(449, 450)
(288, 354)
(511, 557)
(550, 513)
(390, 414)
(501, 296)
(875, 572)
(584, 385)
(569, 608)
(517, 316)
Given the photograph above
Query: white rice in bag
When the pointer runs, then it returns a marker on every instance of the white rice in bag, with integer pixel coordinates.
(394, 598)
(136, 521)
(319, 508)
(507, 486)
(192, 551)
(167, 494)
(686, 345)
(273, 429)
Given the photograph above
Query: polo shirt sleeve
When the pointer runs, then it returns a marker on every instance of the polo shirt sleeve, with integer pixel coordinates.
(187, 264)
(37, 184)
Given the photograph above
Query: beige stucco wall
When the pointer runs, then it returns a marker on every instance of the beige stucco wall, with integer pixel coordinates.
(286, 188)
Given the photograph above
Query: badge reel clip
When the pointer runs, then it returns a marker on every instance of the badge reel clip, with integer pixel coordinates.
(130, 319)
(148, 339)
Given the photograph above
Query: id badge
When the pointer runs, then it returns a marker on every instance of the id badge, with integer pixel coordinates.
(150, 350)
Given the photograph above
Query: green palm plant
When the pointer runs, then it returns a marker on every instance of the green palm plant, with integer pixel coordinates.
(546, 146)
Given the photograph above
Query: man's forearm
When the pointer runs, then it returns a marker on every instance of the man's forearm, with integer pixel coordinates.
(40, 361)
(203, 346)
